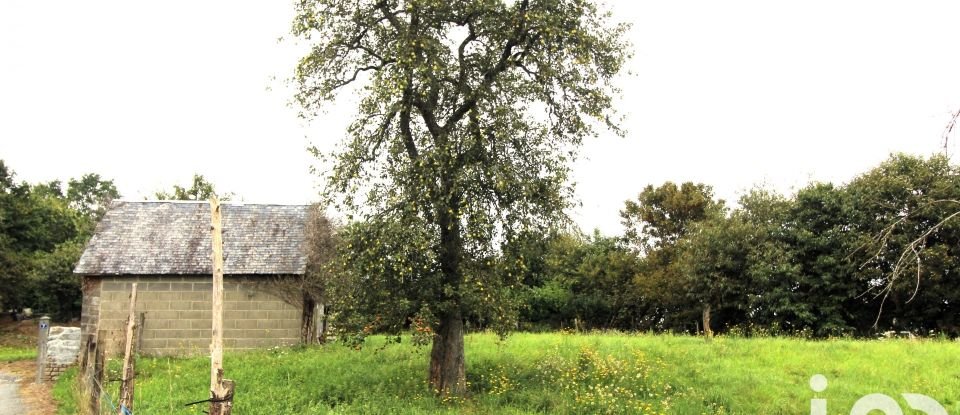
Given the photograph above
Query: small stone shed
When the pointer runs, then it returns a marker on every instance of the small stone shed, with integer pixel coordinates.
(165, 247)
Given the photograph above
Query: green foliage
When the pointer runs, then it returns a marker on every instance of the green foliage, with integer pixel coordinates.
(546, 266)
(661, 216)
(90, 196)
(873, 255)
(908, 238)
(200, 189)
(819, 233)
(713, 264)
(559, 373)
(655, 223)
(58, 289)
(602, 296)
(373, 289)
(469, 113)
(36, 218)
(42, 234)
(570, 280)
(771, 267)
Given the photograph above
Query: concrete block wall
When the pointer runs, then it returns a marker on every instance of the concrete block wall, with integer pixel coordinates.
(177, 315)
(90, 311)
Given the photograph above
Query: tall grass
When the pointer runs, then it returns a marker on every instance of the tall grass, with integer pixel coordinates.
(560, 373)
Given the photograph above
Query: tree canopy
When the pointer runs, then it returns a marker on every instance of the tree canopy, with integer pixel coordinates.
(662, 215)
(42, 233)
(200, 189)
(469, 114)
(871, 255)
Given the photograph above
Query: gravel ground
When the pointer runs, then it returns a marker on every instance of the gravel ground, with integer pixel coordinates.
(10, 403)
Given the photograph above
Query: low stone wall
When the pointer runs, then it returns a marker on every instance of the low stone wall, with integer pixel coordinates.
(63, 348)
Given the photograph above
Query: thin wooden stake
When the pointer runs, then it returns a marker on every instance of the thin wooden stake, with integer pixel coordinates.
(221, 390)
(129, 374)
(96, 377)
(140, 321)
(322, 338)
(87, 360)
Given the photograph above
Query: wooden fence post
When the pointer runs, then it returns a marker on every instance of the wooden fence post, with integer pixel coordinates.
(96, 378)
(139, 336)
(322, 329)
(88, 386)
(42, 347)
(129, 373)
(221, 390)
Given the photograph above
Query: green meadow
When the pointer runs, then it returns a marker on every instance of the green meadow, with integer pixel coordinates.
(12, 353)
(557, 373)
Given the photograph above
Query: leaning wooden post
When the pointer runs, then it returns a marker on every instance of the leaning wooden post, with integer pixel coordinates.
(221, 390)
(129, 374)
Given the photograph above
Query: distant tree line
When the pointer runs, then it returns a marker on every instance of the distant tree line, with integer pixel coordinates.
(878, 253)
(872, 255)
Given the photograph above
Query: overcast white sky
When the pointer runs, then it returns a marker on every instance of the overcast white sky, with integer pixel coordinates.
(732, 94)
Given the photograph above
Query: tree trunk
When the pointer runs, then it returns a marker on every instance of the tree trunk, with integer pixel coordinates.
(308, 333)
(706, 322)
(447, 375)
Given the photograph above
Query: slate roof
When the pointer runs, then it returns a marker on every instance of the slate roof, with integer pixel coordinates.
(173, 237)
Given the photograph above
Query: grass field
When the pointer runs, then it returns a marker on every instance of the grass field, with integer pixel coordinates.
(561, 373)
(13, 353)
(18, 340)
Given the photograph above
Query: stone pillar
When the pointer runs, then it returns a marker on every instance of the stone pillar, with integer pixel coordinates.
(63, 348)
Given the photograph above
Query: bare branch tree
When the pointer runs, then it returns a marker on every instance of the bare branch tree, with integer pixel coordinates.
(308, 292)
(948, 130)
(909, 255)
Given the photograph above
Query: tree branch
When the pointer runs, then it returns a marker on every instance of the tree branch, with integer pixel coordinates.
(405, 131)
(519, 34)
(910, 253)
(356, 72)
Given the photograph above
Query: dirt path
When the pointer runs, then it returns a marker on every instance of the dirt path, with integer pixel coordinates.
(33, 399)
